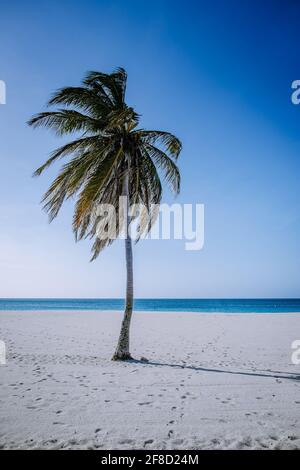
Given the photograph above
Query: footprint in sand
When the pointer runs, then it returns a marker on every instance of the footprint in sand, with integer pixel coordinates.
(126, 441)
(178, 441)
(149, 441)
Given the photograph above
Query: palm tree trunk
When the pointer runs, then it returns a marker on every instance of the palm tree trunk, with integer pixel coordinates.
(122, 352)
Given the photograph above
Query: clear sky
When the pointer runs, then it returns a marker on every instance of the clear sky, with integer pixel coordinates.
(217, 74)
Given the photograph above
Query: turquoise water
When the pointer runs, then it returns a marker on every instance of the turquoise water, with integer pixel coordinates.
(159, 305)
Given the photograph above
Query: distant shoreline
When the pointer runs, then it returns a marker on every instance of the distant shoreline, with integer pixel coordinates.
(226, 306)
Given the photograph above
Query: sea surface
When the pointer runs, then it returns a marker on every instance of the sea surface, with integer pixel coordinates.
(158, 305)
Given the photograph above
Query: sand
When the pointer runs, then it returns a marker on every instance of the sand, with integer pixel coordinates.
(212, 382)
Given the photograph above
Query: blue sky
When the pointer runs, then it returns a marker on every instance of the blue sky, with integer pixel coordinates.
(218, 74)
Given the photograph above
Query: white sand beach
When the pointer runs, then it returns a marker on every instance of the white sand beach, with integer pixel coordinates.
(213, 381)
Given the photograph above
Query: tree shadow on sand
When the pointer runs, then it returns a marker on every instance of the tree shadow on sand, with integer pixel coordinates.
(271, 374)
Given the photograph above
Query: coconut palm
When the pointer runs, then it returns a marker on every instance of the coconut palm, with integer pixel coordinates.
(110, 157)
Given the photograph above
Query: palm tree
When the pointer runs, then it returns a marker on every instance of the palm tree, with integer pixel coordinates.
(110, 158)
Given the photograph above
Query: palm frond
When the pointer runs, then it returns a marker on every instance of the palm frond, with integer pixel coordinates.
(93, 187)
(169, 142)
(168, 167)
(113, 85)
(83, 98)
(65, 121)
(76, 145)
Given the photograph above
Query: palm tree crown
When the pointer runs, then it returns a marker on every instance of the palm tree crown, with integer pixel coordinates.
(109, 147)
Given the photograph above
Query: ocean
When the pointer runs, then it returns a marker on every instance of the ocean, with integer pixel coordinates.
(158, 305)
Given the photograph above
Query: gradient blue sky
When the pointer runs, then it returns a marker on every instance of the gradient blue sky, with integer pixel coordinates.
(218, 74)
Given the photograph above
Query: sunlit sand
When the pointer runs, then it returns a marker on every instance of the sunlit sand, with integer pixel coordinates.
(212, 381)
